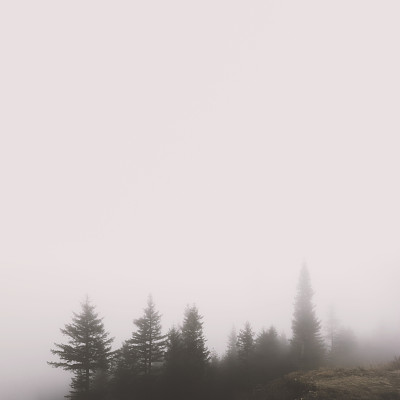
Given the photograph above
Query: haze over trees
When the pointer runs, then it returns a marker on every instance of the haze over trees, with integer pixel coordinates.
(178, 365)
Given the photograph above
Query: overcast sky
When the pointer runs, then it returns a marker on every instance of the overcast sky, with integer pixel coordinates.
(199, 151)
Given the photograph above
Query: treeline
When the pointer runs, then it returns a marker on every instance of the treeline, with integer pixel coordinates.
(178, 365)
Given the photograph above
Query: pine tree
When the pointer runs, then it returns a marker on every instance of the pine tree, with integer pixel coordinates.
(245, 343)
(196, 355)
(88, 351)
(231, 354)
(268, 354)
(246, 359)
(174, 365)
(147, 342)
(174, 352)
(307, 344)
(267, 344)
(124, 372)
(126, 359)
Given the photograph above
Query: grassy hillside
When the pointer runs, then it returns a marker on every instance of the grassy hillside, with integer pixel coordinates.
(332, 384)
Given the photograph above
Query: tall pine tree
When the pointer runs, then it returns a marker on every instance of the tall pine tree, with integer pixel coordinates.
(245, 343)
(87, 353)
(307, 343)
(147, 342)
(231, 353)
(196, 355)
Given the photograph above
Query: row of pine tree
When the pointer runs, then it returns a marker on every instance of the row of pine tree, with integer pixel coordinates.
(178, 365)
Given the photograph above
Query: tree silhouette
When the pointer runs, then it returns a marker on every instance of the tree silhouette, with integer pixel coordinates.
(245, 349)
(174, 367)
(231, 353)
(196, 356)
(88, 352)
(245, 343)
(147, 342)
(124, 372)
(269, 354)
(174, 353)
(307, 343)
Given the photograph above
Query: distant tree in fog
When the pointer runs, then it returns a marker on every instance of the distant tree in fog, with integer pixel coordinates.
(88, 352)
(196, 354)
(231, 354)
(126, 359)
(307, 344)
(125, 370)
(147, 341)
(267, 349)
(344, 351)
(332, 327)
(245, 343)
(174, 367)
(174, 352)
(267, 342)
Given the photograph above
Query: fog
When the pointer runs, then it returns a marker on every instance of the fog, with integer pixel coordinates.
(200, 152)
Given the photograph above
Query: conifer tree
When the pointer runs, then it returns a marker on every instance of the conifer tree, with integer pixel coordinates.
(245, 364)
(231, 354)
(174, 352)
(88, 351)
(125, 372)
(245, 343)
(147, 342)
(126, 359)
(307, 344)
(196, 355)
(267, 343)
(268, 354)
(174, 367)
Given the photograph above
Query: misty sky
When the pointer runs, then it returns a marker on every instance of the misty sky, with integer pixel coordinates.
(198, 151)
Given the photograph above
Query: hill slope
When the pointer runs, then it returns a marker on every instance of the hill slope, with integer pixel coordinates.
(332, 384)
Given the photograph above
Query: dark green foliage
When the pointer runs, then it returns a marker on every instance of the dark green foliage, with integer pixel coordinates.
(87, 353)
(307, 344)
(147, 342)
